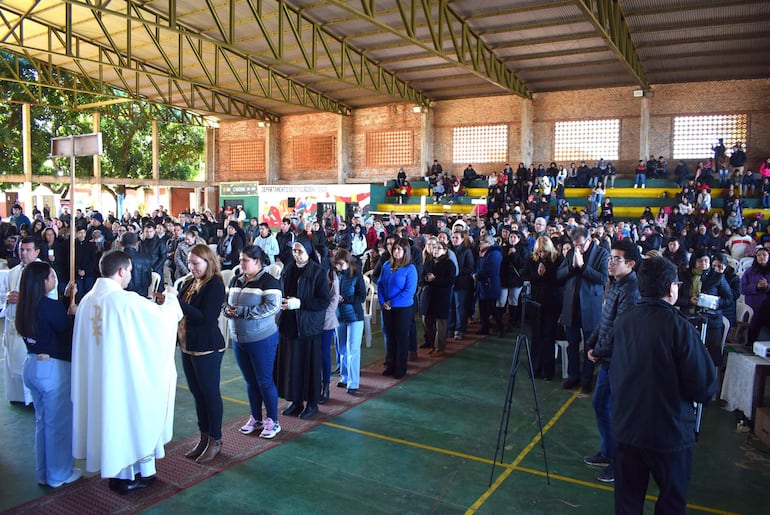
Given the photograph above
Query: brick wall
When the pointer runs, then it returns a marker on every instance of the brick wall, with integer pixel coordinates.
(240, 133)
(448, 114)
(668, 100)
(322, 125)
(384, 118)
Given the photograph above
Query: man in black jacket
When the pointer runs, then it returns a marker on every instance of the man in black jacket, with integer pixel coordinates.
(141, 267)
(584, 274)
(659, 368)
(621, 294)
(155, 250)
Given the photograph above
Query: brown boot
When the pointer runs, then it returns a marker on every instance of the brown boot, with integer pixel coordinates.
(212, 449)
(199, 447)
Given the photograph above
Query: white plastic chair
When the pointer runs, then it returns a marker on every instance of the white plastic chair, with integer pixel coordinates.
(154, 283)
(562, 345)
(744, 264)
(743, 312)
(369, 302)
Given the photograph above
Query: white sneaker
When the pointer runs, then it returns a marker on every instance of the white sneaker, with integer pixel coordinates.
(74, 476)
(250, 426)
(270, 428)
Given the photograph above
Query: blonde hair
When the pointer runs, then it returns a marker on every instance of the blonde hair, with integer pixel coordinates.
(545, 243)
(205, 253)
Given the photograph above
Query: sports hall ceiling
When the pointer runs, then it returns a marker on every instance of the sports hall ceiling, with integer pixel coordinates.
(264, 59)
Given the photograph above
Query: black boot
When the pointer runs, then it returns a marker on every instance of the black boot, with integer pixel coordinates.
(324, 394)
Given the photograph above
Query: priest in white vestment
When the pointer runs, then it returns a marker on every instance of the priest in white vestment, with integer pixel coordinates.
(123, 377)
(14, 349)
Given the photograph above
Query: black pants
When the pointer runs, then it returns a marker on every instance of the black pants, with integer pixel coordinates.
(544, 326)
(487, 309)
(397, 323)
(670, 470)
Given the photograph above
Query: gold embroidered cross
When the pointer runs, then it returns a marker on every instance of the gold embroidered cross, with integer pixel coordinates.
(96, 324)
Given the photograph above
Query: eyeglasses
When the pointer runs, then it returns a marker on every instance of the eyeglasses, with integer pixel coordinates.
(615, 259)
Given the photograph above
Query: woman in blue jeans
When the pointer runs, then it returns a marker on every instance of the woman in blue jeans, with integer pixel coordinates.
(254, 298)
(47, 331)
(350, 313)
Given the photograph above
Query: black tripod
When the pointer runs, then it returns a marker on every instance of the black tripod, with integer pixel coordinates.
(699, 320)
(502, 434)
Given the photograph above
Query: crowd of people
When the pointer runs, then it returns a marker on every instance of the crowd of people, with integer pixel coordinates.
(296, 299)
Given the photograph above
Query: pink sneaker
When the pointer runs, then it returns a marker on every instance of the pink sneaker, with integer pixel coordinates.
(250, 426)
(270, 429)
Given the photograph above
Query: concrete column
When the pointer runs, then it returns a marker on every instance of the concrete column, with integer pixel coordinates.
(96, 190)
(25, 195)
(210, 151)
(426, 139)
(271, 152)
(527, 122)
(644, 128)
(344, 132)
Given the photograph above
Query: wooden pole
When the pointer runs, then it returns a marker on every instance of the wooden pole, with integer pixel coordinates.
(72, 215)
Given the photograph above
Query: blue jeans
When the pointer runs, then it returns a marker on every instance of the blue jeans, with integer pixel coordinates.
(458, 313)
(203, 373)
(601, 403)
(349, 335)
(49, 383)
(765, 201)
(256, 361)
(84, 285)
(641, 178)
(327, 338)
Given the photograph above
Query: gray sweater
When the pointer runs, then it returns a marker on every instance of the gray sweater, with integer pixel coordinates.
(257, 302)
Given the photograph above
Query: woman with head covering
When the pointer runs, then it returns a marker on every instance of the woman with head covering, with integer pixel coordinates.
(300, 325)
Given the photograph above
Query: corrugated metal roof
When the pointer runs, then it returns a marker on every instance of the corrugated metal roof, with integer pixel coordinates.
(333, 55)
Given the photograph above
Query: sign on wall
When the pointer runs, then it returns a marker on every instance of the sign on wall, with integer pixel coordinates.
(301, 201)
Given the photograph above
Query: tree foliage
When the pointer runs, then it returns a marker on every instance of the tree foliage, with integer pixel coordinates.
(127, 140)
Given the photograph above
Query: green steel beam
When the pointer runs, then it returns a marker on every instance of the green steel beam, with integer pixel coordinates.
(470, 52)
(74, 91)
(197, 95)
(260, 79)
(608, 19)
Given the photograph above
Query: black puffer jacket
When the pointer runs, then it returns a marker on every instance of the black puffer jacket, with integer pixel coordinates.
(621, 296)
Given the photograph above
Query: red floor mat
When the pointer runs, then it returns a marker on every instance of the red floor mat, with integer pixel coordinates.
(175, 472)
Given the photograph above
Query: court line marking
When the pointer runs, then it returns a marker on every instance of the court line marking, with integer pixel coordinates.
(509, 468)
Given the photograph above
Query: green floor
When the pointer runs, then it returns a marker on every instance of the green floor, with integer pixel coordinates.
(426, 446)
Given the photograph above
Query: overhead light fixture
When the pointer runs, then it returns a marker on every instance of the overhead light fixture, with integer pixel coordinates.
(417, 109)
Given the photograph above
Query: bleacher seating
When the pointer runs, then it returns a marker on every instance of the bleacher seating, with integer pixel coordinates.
(628, 202)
